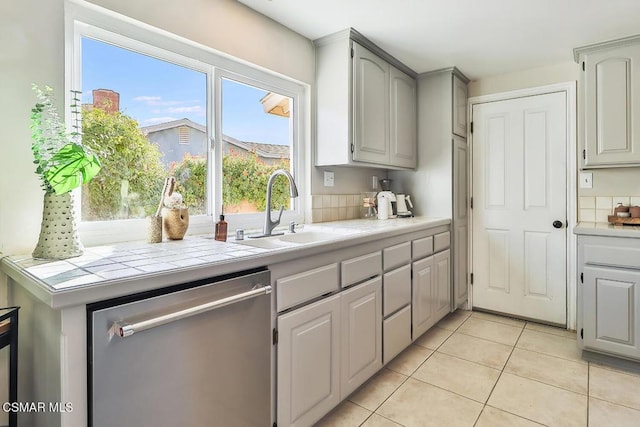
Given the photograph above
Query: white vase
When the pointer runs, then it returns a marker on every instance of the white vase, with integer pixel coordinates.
(59, 232)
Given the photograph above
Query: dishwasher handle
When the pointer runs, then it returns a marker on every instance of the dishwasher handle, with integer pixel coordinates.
(124, 329)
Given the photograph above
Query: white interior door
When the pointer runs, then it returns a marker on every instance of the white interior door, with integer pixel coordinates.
(519, 195)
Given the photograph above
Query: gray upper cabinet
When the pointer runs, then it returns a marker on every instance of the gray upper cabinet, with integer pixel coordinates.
(610, 98)
(403, 119)
(459, 117)
(370, 107)
(366, 105)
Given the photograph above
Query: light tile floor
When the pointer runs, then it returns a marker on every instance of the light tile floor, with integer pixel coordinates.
(478, 369)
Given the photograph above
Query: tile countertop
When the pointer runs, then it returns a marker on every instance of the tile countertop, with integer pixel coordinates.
(104, 272)
(607, 230)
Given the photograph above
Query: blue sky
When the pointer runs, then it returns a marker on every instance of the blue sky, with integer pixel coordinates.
(154, 91)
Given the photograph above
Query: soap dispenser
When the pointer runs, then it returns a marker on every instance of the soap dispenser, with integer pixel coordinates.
(221, 229)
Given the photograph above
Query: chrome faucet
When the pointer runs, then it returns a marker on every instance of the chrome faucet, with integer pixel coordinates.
(269, 224)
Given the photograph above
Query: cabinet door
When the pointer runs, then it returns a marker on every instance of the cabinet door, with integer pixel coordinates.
(442, 284)
(459, 119)
(308, 362)
(611, 305)
(422, 301)
(460, 221)
(361, 348)
(370, 107)
(403, 117)
(612, 98)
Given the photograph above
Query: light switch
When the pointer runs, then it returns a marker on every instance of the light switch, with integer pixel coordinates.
(328, 179)
(586, 180)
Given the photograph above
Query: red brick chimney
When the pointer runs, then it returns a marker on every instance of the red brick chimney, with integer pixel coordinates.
(107, 100)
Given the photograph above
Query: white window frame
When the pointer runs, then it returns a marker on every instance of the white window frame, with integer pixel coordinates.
(87, 20)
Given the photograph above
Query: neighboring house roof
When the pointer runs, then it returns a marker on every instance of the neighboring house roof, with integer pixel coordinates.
(172, 124)
(271, 151)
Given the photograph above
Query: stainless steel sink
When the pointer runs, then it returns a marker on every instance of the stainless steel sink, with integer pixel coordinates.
(303, 237)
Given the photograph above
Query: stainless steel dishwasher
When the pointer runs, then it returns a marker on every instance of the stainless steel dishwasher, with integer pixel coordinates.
(198, 354)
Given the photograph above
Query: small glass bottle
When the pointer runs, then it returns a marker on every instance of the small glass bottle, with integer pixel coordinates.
(221, 229)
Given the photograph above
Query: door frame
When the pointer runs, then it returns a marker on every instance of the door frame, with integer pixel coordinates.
(569, 88)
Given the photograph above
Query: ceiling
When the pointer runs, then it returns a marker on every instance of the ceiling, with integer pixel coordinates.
(481, 37)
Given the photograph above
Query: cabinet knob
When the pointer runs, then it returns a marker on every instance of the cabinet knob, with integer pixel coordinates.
(557, 224)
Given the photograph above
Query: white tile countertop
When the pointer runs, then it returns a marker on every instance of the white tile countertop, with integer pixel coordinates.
(606, 229)
(104, 272)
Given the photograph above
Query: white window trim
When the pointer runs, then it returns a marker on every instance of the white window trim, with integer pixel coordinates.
(83, 19)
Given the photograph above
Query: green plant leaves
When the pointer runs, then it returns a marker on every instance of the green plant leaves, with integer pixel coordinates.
(71, 166)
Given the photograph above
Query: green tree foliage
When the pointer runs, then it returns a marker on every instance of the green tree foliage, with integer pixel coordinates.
(130, 182)
(245, 178)
(191, 177)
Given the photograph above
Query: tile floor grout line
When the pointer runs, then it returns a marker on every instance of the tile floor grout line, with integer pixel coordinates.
(503, 367)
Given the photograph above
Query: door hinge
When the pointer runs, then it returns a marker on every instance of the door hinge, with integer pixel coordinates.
(471, 203)
(584, 154)
(275, 424)
(471, 124)
(582, 333)
(471, 278)
(582, 65)
(353, 148)
(275, 336)
(581, 277)
(352, 53)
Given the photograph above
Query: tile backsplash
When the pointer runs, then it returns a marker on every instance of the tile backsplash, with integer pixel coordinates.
(597, 208)
(335, 207)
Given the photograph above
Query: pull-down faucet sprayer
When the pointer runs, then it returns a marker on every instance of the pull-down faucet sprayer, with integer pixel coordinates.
(269, 224)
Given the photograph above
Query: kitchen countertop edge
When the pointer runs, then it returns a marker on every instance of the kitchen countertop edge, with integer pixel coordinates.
(607, 230)
(106, 289)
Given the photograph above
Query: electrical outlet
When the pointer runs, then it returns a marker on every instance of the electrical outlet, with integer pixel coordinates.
(586, 180)
(328, 179)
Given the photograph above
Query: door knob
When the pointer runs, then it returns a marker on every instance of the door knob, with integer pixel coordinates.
(557, 224)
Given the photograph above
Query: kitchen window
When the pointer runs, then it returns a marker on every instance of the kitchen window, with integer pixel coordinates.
(155, 105)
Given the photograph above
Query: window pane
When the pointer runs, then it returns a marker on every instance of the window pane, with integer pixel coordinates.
(146, 118)
(257, 135)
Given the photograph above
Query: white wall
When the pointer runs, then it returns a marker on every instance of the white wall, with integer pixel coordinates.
(606, 182)
(32, 51)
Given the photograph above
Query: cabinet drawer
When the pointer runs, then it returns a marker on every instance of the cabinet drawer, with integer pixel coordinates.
(396, 289)
(441, 241)
(361, 268)
(397, 255)
(611, 255)
(422, 248)
(301, 287)
(396, 334)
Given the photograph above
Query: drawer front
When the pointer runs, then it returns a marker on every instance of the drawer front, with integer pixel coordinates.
(363, 267)
(614, 256)
(397, 255)
(305, 286)
(396, 334)
(441, 241)
(396, 289)
(422, 248)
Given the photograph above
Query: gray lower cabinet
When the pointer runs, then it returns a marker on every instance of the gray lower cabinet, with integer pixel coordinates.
(343, 314)
(361, 345)
(309, 362)
(611, 307)
(609, 296)
(431, 291)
